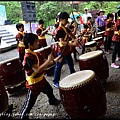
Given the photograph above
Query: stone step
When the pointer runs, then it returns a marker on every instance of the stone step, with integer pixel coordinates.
(10, 40)
(4, 46)
(9, 37)
(6, 35)
(4, 32)
(13, 44)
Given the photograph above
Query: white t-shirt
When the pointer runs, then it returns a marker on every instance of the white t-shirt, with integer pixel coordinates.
(84, 17)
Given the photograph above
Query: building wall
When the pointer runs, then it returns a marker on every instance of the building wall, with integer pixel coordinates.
(2, 14)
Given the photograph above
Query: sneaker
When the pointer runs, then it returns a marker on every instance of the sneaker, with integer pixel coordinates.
(56, 85)
(114, 65)
(117, 59)
(57, 102)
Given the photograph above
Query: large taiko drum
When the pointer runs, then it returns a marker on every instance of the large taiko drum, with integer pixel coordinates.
(3, 98)
(5, 108)
(100, 34)
(99, 42)
(96, 61)
(54, 48)
(12, 74)
(82, 95)
(44, 51)
(90, 46)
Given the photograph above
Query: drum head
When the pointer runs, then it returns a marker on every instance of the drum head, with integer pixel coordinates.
(91, 54)
(54, 43)
(76, 79)
(9, 60)
(98, 38)
(90, 43)
(47, 47)
(38, 50)
(101, 32)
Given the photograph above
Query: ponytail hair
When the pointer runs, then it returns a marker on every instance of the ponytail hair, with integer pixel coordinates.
(116, 16)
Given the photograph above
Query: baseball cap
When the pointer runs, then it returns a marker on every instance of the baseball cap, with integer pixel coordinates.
(85, 8)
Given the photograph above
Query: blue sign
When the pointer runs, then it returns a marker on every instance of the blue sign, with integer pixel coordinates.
(2, 14)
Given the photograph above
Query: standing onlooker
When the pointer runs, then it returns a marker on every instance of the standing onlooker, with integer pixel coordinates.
(86, 15)
(19, 39)
(101, 21)
(116, 39)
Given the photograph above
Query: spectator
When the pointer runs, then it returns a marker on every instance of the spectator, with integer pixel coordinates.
(101, 21)
(86, 15)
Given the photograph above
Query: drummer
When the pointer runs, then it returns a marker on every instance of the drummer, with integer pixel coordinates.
(109, 30)
(19, 39)
(116, 40)
(73, 29)
(90, 25)
(34, 65)
(40, 32)
(85, 37)
(63, 34)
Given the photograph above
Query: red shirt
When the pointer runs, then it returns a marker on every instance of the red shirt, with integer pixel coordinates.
(116, 37)
(109, 31)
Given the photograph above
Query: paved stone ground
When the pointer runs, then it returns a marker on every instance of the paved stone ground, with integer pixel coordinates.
(42, 109)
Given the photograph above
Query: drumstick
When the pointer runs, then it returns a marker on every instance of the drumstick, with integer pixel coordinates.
(64, 49)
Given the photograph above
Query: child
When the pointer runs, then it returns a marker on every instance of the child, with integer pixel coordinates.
(40, 32)
(90, 25)
(116, 40)
(109, 30)
(54, 31)
(62, 36)
(85, 37)
(34, 66)
(19, 39)
(73, 33)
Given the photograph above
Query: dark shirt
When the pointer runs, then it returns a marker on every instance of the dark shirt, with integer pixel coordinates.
(61, 33)
(30, 62)
(39, 31)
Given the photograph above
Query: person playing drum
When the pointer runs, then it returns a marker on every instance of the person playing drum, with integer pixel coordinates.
(73, 29)
(90, 25)
(63, 35)
(36, 83)
(116, 40)
(109, 30)
(85, 37)
(19, 39)
(40, 32)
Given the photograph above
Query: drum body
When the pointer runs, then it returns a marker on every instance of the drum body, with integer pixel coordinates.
(3, 98)
(99, 42)
(96, 61)
(54, 48)
(90, 46)
(100, 34)
(82, 95)
(12, 74)
(45, 51)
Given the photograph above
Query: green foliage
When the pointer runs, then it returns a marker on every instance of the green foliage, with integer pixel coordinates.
(13, 11)
(47, 10)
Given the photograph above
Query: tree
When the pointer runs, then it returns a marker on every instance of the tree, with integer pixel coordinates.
(47, 10)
